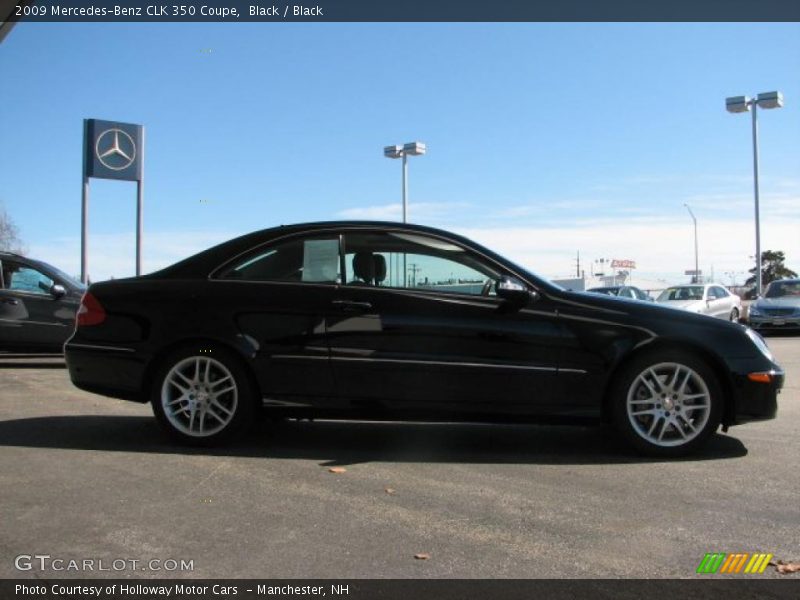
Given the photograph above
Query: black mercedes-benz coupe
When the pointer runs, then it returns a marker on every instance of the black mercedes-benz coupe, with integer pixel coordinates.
(376, 321)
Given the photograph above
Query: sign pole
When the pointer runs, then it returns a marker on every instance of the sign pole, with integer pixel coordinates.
(139, 208)
(85, 230)
(84, 208)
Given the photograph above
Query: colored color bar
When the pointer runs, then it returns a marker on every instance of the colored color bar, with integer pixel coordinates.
(753, 561)
(711, 562)
(716, 562)
(703, 563)
(726, 565)
(765, 562)
(741, 562)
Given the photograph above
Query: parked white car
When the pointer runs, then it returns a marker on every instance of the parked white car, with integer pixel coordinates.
(710, 299)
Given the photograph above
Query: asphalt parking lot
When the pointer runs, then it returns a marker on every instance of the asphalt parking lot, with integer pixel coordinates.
(85, 477)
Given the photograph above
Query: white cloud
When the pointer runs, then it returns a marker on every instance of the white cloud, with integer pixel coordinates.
(661, 248)
(113, 255)
(417, 212)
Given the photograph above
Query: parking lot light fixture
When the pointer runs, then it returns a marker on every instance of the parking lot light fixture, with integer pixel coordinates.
(740, 104)
(404, 151)
(696, 278)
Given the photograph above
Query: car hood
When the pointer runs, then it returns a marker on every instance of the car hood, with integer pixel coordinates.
(660, 316)
(782, 302)
(692, 305)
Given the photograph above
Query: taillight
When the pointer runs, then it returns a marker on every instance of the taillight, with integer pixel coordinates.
(91, 312)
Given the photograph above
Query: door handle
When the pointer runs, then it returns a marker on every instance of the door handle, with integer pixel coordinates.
(351, 305)
(11, 301)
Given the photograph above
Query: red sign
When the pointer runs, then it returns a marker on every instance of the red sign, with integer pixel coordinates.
(623, 264)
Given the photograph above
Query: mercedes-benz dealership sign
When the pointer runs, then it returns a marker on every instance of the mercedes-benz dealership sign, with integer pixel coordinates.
(113, 150)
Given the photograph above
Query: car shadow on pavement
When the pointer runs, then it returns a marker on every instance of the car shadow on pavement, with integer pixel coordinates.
(10, 360)
(336, 443)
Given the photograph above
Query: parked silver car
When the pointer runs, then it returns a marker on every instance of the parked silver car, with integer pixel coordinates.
(622, 291)
(710, 299)
(779, 308)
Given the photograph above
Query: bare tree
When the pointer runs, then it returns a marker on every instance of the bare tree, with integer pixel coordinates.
(9, 234)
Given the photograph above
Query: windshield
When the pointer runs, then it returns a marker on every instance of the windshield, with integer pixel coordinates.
(778, 289)
(683, 292)
(606, 291)
(68, 278)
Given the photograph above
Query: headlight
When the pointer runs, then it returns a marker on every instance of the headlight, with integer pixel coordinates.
(755, 311)
(760, 344)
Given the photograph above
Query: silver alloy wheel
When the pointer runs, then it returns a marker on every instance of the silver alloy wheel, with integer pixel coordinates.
(734, 316)
(668, 404)
(199, 396)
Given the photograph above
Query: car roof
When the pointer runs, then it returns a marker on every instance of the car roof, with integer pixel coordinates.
(15, 256)
(200, 265)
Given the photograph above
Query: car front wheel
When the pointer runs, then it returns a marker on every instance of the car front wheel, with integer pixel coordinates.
(667, 404)
(202, 396)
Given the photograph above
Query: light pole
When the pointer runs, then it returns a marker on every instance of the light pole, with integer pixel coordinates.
(739, 104)
(696, 267)
(404, 151)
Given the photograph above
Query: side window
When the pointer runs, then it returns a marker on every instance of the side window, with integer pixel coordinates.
(304, 259)
(26, 279)
(406, 260)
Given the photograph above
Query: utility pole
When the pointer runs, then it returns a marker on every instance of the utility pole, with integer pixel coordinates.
(414, 270)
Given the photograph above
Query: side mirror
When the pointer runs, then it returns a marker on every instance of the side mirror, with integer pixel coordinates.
(58, 291)
(513, 290)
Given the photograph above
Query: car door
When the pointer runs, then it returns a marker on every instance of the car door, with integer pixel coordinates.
(719, 303)
(281, 292)
(417, 327)
(32, 314)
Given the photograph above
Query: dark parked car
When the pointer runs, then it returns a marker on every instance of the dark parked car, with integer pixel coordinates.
(360, 320)
(622, 291)
(779, 308)
(37, 305)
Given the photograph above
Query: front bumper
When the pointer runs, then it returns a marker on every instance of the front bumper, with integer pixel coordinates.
(763, 321)
(757, 400)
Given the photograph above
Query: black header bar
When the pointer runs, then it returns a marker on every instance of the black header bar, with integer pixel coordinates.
(276, 11)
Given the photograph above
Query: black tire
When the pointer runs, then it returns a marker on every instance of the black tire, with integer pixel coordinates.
(666, 391)
(734, 316)
(202, 395)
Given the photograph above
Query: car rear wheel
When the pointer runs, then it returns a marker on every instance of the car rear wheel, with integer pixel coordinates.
(667, 404)
(202, 396)
(735, 315)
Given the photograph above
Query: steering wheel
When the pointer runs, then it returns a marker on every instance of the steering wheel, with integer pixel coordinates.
(487, 287)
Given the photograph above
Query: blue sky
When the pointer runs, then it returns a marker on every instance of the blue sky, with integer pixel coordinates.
(543, 139)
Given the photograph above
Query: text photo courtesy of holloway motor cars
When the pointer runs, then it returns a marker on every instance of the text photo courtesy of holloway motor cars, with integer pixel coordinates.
(483, 267)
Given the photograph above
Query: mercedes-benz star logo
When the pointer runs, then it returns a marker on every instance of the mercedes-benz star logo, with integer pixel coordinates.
(115, 149)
